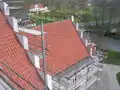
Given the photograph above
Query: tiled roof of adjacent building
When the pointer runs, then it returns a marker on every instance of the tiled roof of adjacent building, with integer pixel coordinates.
(14, 61)
(64, 46)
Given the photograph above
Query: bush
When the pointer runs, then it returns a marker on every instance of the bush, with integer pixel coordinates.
(113, 57)
(118, 77)
(86, 17)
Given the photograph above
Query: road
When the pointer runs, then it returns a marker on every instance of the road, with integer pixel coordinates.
(106, 42)
(108, 79)
(108, 76)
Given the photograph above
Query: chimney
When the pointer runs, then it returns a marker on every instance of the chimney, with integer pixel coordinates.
(72, 18)
(13, 23)
(77, 26)
(86, 42)
(91, 51)
(35, 59)
(4, 7)
(93, 48)
(23, 40)
(82, 34)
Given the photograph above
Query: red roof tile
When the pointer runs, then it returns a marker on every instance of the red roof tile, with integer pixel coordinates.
(64, 45)
(39, 6)
(13, 55)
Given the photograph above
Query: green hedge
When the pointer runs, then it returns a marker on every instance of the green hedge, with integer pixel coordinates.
(113, 57)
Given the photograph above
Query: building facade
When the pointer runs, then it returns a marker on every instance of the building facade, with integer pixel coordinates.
(38, 8)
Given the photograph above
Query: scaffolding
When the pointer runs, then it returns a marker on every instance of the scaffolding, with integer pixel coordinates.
(73, 76)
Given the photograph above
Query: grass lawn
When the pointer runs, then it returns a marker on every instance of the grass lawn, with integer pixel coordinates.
(40, 20)
(113, 57)
(45, 19)
(55, 15)
(118, 77)
(50, 17)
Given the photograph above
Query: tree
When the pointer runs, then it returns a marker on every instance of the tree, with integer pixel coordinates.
(86, 16)
(115, 4)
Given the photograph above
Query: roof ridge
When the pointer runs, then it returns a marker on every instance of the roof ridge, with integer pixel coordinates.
(55, 22)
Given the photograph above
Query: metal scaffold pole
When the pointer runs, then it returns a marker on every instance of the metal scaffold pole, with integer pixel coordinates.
(87, 77)
(43, 55)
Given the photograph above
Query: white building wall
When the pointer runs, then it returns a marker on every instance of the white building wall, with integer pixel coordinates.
(23, 40)
(37, 9)
(37, 61)
(77, 26)
(49, 81)
(13, 23)
(34, 59)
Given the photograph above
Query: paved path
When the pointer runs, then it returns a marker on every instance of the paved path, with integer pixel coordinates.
(104, 42)
(108, 79)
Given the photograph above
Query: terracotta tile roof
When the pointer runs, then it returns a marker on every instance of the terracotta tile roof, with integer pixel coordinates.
(64, 46)
(13, 55)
